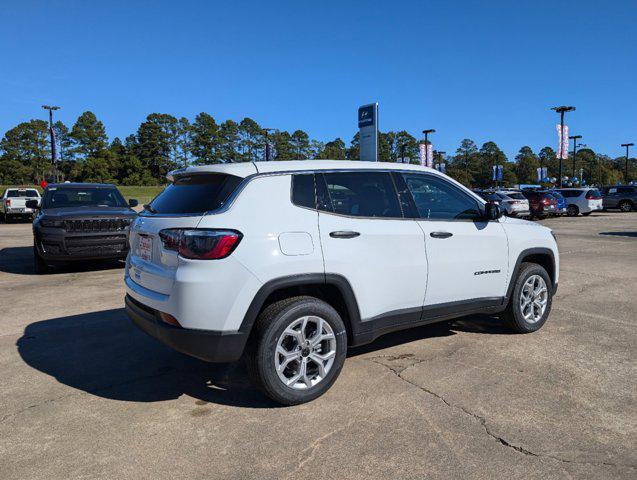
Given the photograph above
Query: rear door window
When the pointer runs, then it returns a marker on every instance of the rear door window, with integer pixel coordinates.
(195, 194)
(303, 191)
(360, 194)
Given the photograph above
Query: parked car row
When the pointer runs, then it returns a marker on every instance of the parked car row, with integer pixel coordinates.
(543, 203)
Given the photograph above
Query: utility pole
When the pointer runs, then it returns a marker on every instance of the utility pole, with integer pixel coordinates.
(627, 145)
(561, 111)
(427, 132)
(267, 143)
(53, 156)
(575, 138)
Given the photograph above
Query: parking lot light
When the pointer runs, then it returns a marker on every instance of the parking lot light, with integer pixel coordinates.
(627, 145)
(561, 110)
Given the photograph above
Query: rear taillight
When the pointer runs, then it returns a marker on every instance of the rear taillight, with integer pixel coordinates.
(7, 202)
(546, 201)
(590, 195)
(200, 244)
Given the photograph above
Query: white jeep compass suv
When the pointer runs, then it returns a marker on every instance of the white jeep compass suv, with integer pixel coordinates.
(290, 263)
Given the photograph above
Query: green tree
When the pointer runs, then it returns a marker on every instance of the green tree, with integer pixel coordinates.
(229, 142)
(205, 139)
(527, 165)
(251, 140)
(301, 142)
(26, 153)
(490, 154)
(156, 144)
(464, 165)
(334, 150)
(88, 136)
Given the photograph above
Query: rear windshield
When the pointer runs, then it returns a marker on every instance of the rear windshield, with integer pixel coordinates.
(515, 195)
(22, 193)
(195, 194)
(69, 197)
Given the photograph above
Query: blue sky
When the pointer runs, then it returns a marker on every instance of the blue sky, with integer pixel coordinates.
(487, 70)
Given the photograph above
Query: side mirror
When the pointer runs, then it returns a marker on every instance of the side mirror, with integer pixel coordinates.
(492, 210)
(132, 202)
(32, 204)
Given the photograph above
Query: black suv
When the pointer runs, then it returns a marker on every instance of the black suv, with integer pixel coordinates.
(80, 221)
(623, 197)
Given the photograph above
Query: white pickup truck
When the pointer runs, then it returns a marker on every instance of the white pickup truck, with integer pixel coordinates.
(13, 202)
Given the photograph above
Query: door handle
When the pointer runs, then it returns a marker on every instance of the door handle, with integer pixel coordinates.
(344, 234)
(441, 234)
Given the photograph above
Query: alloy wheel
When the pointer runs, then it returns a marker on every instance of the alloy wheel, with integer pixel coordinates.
(534, 297)
(305, 352)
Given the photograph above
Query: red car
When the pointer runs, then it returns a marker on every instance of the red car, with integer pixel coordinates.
(542, 204)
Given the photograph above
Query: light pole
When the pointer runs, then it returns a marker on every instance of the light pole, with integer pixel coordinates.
(575, 138)
(267, 143)
(427, 132)
(627, 145)
(561, 111)
(53, 160)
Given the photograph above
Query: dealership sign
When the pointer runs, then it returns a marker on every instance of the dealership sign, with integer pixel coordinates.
(368, 130)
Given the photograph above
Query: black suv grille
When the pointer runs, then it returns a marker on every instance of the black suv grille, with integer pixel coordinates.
(97, 225)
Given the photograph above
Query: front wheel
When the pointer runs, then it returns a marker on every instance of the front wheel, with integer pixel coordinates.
(572, 211)
(531, 299)
(297, 349)
(625, 206)
(39, 265)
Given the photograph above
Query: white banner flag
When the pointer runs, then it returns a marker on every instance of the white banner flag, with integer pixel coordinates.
(562, 143)
(421, 151)
(430, 155)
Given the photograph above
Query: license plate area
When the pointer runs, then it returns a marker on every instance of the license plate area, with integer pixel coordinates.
(145, 248)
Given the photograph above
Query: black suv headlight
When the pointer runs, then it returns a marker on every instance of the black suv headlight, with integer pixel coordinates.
(48, 223)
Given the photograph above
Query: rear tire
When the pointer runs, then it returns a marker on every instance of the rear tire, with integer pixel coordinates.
(625, 206)
(39, 265)
(531, 299)
(283, 355)
(572, 211)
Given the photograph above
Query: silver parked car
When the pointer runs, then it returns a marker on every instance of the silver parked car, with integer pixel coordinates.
(513, 203)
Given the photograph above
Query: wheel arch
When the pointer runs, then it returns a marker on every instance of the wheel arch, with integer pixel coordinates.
(331, 288)
(541, 256)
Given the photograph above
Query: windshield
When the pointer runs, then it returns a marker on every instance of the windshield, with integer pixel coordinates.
(65, 197)
(195, 194)
(22, 193)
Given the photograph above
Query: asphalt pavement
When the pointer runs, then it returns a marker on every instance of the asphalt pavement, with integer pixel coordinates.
(84, 394)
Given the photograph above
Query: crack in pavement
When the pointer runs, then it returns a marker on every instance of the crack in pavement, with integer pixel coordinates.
(483, 423)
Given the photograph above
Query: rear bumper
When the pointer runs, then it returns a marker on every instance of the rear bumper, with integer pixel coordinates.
(208, 345)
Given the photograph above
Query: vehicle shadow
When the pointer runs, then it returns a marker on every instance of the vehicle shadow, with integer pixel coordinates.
(620, 234)
(104, 354)
(470, 324)
(19, 260)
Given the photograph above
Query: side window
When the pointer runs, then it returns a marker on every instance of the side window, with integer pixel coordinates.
(359, 194)
(303, 190)
(437, 199)
(612, 190)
